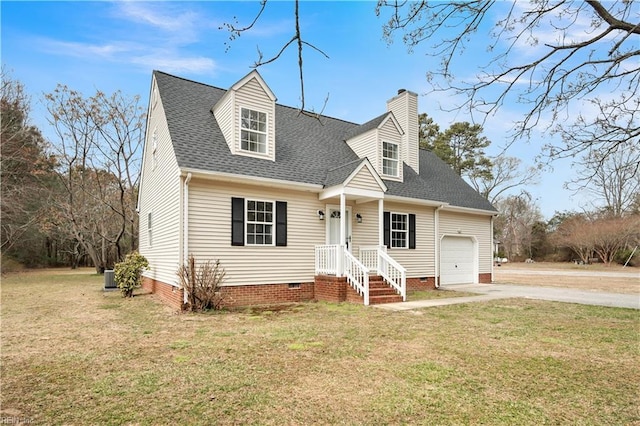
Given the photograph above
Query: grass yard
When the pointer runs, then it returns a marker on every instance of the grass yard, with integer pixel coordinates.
(74, 355)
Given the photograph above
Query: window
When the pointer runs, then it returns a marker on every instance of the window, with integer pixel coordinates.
(399, 230)
(149, 229)
(256, 222)
(259, 222)
(390, 159)
(253, 131)
(154, 151)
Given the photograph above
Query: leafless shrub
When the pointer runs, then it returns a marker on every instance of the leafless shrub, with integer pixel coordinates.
(202, 283)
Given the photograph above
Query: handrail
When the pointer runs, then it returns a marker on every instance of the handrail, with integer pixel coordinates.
(328, 260)
(357, 275)
(394, 273)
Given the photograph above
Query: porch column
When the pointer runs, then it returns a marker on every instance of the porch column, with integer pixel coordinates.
(381, 222)
(343, 220)
(343, 233)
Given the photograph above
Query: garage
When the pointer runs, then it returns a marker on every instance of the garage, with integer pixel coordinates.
(457, 260)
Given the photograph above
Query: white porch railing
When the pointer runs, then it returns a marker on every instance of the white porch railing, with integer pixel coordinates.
(335, 260)
(357, 275)
(328, 260)
(375, 258)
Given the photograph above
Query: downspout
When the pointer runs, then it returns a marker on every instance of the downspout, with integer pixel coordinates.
(185, 228)
(436, 243)
(493, 246)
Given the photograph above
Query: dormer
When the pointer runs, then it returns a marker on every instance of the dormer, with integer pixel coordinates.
(380, 140)
(246, 116)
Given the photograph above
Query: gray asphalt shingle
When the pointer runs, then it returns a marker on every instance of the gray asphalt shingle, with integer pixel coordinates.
(308, 150)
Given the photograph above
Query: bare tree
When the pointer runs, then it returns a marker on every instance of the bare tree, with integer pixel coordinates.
(575, 51)
(569, 63)
(611, 178)
(506, 174)
(296, 40)
(24, 166)
(97, 150)
(600, 235)
(575, 233)
(514, 225)
(612, 234)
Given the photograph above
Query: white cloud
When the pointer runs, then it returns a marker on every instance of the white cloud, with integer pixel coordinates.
(168, 59)
(173, 63)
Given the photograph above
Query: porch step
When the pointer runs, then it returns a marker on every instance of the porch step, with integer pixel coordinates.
(381, 292)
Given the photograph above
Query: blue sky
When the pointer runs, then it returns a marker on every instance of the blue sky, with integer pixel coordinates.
(111, 46)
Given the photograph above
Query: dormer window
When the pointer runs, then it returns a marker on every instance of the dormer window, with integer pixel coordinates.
(253, 131)
(390, 159)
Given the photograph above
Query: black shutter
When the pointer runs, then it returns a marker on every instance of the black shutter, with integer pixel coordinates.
(281, 223)
(412, 231)
(387, 229)
(237, 221)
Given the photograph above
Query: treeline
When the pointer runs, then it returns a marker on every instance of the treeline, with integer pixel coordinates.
(69, 200)
(608, 232)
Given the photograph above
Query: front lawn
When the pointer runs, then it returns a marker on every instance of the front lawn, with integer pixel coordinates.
(72, 354)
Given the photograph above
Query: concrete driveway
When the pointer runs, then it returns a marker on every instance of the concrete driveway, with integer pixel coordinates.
(507, 291)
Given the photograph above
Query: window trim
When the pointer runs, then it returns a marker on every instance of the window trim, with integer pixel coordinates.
(272, 223)
(392, 230)
(150, 229)
(154, 149)
(396, 160)
(265, 133)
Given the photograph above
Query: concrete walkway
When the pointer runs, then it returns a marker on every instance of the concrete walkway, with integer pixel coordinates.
(505, 291)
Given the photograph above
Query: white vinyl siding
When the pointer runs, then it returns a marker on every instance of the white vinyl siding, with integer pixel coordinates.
(252, 96)
(365, 145)
(419, 262)
(471, 225)
(364, 180)
(224, 114)
(405, 109)
(210, 233)
(160, 202)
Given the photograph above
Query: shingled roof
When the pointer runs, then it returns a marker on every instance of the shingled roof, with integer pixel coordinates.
(308, 150)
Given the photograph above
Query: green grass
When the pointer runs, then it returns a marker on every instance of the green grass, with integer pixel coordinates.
(72, 354)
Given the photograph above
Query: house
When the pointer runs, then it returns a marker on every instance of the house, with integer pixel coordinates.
(299, 208)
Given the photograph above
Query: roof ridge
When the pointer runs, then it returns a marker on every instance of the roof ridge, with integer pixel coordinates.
(278, 104)
(188, 80)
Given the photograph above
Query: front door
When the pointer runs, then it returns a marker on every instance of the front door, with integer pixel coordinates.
(333, 227)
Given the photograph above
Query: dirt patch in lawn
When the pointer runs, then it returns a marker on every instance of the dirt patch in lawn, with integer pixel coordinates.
(613, 279)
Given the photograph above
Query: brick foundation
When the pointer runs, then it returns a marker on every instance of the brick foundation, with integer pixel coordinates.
(171, 295)
(331, 289)
(414, 284)
(325, 288)
(484, 278)
(266, 294)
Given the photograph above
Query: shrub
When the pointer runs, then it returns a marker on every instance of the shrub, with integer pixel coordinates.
(128, 273)
(202, 284)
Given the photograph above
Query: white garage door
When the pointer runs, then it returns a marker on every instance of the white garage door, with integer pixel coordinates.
(456, 261)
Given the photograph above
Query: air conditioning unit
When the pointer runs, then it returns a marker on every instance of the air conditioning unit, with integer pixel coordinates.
(109, 280)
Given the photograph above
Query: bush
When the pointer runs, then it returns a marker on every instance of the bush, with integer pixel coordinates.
(623, 255)
(128, 273)
(202, 284)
